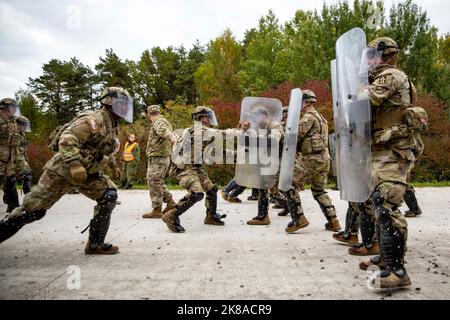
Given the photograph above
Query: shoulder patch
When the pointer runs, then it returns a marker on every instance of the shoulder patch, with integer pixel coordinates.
(93, 124)
(382, 80)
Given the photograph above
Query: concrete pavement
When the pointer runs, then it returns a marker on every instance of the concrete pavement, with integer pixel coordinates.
(45, 260)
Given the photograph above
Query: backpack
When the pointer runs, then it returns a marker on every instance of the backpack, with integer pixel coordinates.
(416, 119)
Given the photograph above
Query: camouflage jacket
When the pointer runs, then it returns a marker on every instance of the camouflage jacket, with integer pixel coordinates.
(23, 146)
(158, 144)
(89, 139)
(203, 143)
(312, 139)
(9, 138)
(390, 94)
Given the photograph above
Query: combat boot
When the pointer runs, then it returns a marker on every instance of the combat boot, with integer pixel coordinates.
(360, 249)
(262, 219)
(333, 224)
(155, 214)
(172, 221)
(212, 217)
(301, 222)
(350, 234)
(347, 238)
(374, 261)
(170, 204)
(393, 280)
(283, 213)
(224, 195)
(411, 214)
(411, 202)
(234, 199)
(257, 221)
(105, 248)
(213, 221)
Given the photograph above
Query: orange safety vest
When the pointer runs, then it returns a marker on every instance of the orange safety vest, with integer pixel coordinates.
(128, 151)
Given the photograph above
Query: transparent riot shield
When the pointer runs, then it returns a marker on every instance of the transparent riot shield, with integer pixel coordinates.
(332, 149)
(332, 139)
(290, 141)
(353, 117)
(257, 161)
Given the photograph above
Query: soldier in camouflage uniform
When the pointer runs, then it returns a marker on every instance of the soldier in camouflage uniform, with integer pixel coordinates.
(159, 147)
(312, 164)
(23, 170)
(84, 147)
(410, 194)
(392, 96)
(10, 139)
(191, 175)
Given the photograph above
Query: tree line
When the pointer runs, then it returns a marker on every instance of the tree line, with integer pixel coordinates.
(226, 69)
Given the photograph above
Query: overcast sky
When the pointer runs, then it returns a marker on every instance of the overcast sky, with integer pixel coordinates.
(33, 32)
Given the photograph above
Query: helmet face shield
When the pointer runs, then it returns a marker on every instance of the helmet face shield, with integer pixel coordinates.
(14, 110)
(212, 118)
(122, 106)
(371, 58)
(206, 112)
(260, 118)
(25, 126)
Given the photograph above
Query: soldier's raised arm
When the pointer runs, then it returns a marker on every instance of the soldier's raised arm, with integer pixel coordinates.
(164, 129)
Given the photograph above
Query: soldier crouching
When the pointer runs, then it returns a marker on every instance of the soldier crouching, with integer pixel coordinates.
(191, 176)
(83, 147)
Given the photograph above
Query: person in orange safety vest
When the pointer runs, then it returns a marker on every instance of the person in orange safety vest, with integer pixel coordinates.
(130, 161)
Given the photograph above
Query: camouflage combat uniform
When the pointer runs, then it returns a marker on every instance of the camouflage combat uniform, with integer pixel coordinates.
(23, 170)
(10, 140)
(84, 148)
(410, 194)
(196, 181)
(392, 97)
(313, 164)
(158, 151)
(191, 175)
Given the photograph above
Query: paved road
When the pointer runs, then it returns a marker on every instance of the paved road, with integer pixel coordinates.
(232, 262)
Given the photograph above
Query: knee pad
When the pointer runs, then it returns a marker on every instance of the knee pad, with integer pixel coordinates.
(34, 216)
(214, 189)
(10, 182)
(197, 196)
(24, 217)
(381, 211)
(109, 199)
